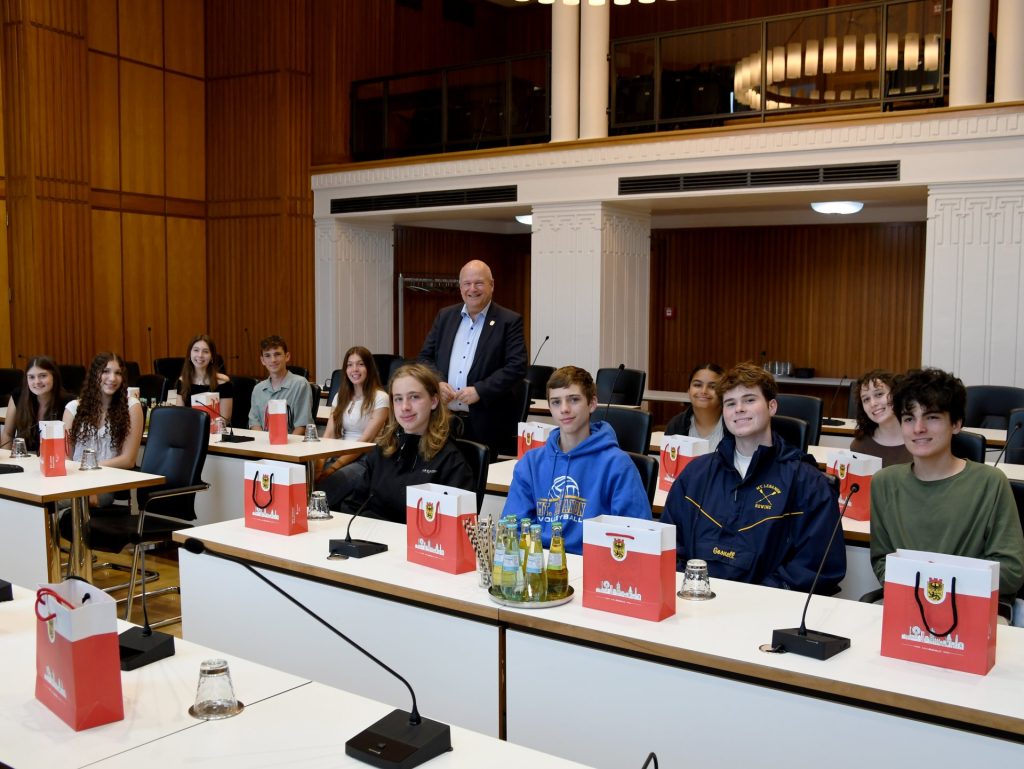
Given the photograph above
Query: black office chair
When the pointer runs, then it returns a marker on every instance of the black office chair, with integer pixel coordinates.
(851, 409)
(11, 379)
(538, 377)
(989, 406)
(168, 368)
(632, 426)
(1015, 439)
(73, 377)
(315, 390)
(805, 407)
(132, 372)
(792, 430)
(176, 449)
(970, 446)
(332, 390)
(647, 466)
(385, 363)
(153, 386)
(1018, 497)
(478, 457)
(243, 387)
(622, 387)
(301, 371)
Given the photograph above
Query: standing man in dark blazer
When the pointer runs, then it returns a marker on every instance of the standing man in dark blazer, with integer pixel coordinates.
(479, 352)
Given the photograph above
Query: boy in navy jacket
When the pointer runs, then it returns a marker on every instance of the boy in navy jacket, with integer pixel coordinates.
(756, 509)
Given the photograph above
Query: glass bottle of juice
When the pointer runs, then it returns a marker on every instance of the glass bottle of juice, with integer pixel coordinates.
(524, 542)
(557, 571)
(499, 554)
(535, 579)
(511, 571)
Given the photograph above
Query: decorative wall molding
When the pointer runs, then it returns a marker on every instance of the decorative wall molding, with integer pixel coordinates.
(974, 282)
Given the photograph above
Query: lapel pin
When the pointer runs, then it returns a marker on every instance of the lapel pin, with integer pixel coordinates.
(491, 323)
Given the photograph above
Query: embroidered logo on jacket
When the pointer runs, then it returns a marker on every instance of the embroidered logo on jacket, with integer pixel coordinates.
(767, 491)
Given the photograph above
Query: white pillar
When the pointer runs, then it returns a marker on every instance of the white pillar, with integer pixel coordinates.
(354, 290)
(594, 49)
(1010, 51)
(590, 285)
(565, 73)
(974, 282)
(968, 56)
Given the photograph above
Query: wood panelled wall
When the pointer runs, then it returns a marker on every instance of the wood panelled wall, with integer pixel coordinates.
(441, 254)
(5, 313)
(841, 298)
(260, 227)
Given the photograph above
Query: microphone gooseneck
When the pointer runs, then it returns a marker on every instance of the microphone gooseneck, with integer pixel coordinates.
(1006, 445)
(611, 395)
(197, 547)
(546, 338)
(348, 529)
(829, 419)
(854, 488)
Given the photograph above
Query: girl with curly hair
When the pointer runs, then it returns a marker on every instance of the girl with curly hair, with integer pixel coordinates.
(414, 448)
(878, 428)
(104, 417)
(41, 398)
(200, 374)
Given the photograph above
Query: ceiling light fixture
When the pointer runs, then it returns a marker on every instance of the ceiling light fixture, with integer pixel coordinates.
(844, 207)
(525, 219)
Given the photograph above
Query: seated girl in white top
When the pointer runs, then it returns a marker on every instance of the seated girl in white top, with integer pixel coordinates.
(360, 409)
(104, 417)
(199, 375)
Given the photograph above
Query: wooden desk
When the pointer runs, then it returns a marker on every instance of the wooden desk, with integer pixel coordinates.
(223, 469)
(30, 546)
(685, 687)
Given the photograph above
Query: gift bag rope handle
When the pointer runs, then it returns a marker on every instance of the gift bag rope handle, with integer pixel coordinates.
(920, 606)
(255, 485)
(42, 594)
(421, 516)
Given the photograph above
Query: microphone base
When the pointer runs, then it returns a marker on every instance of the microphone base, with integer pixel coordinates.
(831, 421)
(394, 743)
(6, 591)
(139, 650)
(356, 548)
(236, 438)
(811, 643)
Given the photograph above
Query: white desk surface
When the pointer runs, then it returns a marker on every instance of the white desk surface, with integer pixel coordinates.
(388, 573)
(308, 727)
(296, 450)
(32, 486)
(156, 698)
(720, 635)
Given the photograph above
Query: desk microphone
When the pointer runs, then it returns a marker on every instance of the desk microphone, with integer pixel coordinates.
(356, 548)
(611, 395)
(812, 643)
(140, 646)
(539, 349)
(1007, 444)
(830, 420)
(401, 739)
(229, 436)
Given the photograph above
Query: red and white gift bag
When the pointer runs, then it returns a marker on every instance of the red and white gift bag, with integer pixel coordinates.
(532, 435)
(210, 403)
(52, 449)
(629, 566)
(941, 610)
(677, 451)
(435, 535)
(78, 661)
(852, 468)
(275, 497)
(277, 421)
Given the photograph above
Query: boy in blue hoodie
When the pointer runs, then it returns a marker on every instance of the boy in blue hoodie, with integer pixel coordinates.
(580, 472)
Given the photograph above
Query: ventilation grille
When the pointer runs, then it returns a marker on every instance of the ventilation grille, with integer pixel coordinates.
(434, 199)
(768, 177)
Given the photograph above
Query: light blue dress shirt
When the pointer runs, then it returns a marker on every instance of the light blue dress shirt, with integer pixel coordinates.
(464, 351)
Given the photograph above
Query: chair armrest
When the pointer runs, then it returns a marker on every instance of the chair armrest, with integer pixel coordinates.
(872, 596)
(177, 492)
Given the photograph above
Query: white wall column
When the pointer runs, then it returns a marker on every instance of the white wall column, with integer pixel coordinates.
(974, 282)
(565, 72)
(968, 56)
(594, 49)
(590, 285)
(1010, 51)
(354, 270)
